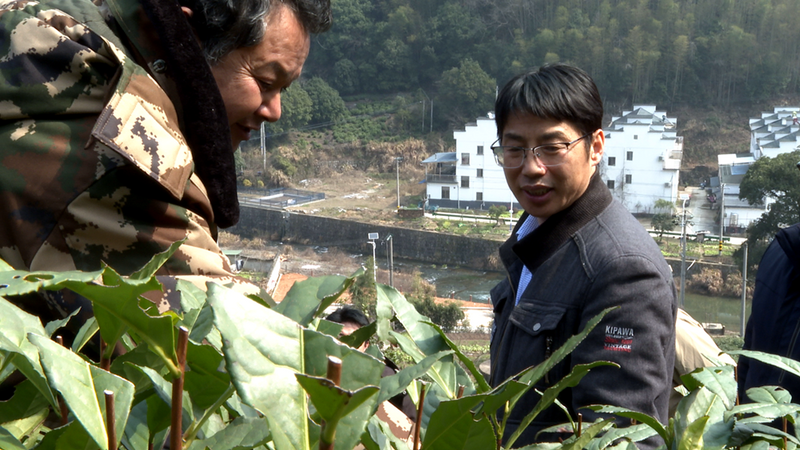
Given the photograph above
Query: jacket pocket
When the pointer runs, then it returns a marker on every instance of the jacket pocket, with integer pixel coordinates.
(537, 318)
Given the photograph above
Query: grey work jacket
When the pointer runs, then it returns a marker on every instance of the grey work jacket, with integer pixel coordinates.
(591, 256)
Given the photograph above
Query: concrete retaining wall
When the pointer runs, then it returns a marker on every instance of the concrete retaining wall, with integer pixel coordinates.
(417, 245)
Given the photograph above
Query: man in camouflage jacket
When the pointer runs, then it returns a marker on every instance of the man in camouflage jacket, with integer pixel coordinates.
(113, 142)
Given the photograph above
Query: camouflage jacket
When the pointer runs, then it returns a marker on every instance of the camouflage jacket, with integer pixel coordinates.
(94, 161)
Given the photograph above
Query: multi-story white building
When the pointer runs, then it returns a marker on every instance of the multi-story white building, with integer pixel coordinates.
(642, 158)
(772, 134)
(641, 163)
(468, 178)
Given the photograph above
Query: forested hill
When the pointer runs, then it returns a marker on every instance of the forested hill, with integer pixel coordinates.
(673, 53)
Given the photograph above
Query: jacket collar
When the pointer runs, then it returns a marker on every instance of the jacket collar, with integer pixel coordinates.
(162, 41)
(538, 246)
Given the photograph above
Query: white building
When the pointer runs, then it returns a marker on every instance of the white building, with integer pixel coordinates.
(642, 158)
(468, 178)
(772, 134)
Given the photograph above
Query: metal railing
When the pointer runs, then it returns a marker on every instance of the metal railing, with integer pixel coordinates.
(438, 178)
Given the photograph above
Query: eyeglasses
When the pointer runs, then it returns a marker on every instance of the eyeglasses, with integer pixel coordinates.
(548, 155)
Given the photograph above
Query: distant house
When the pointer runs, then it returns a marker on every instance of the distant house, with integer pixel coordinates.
(468, 178)
(641, 164)
(772, 134)
(642, 158)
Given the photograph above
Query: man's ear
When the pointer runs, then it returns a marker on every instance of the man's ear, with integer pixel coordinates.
(597, 147)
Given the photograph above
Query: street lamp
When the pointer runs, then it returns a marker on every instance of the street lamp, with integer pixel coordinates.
(372, 238)
(391, 260)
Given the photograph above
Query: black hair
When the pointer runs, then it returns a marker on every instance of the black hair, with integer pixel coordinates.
(553, 91)
(347, 314)
(225, 25)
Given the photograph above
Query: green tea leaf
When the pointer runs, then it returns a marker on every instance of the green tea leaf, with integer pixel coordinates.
(331, 401)
(242, 432)
(551, 394)
(308, 297)
(71, 377)
(263, 350)
(452, 425)
(9, 442)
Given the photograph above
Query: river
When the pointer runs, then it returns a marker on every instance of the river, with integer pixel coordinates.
(467, 284)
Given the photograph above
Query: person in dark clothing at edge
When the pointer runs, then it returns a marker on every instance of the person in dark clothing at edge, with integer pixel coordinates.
(352, 319)
(774, 322)
(575, 252)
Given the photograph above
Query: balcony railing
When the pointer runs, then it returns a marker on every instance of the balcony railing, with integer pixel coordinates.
(437, 178)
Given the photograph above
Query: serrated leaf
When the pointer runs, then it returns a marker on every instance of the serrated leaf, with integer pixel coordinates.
(579, 442)
(550, 395)
(149, 270)
(783, 363)
(397, 383)
(71, 377)
(768, 410)
(205, 378)
(16, 350)
(242, 432)
(26, 401)
(117, 308)
(719, 380)
(358, 370)
(769, 394)
(635, 433)
(263, 351)
(638, 416)
(692, 438)
(476, 374)
(308, 297)
(331, 401)
(453, 425)
(19, 282)
(85, 333)
(54, 325)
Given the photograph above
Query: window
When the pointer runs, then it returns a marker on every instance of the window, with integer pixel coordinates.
(480, 173)
(445, 192)
(480, 149)
(629, 156)
(610, 184)
(628, 179)
(464, 182)
(479, 196)
(465, 159)
(612, 161)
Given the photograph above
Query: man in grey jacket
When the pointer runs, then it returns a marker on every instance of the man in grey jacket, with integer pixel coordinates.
(575, 252)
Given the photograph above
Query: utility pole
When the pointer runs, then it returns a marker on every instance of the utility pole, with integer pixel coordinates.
(397, 160)
(264, 145)
(423, 110)
(721, 215)
(683, 255)
(744, 290)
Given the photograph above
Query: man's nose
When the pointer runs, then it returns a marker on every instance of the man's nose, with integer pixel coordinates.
(270, 108)
(531, 164)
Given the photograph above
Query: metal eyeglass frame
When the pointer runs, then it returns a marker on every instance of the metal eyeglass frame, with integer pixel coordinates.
(500, 148)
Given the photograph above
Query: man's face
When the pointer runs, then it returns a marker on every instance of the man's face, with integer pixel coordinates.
(251, 78)
(544, 191)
